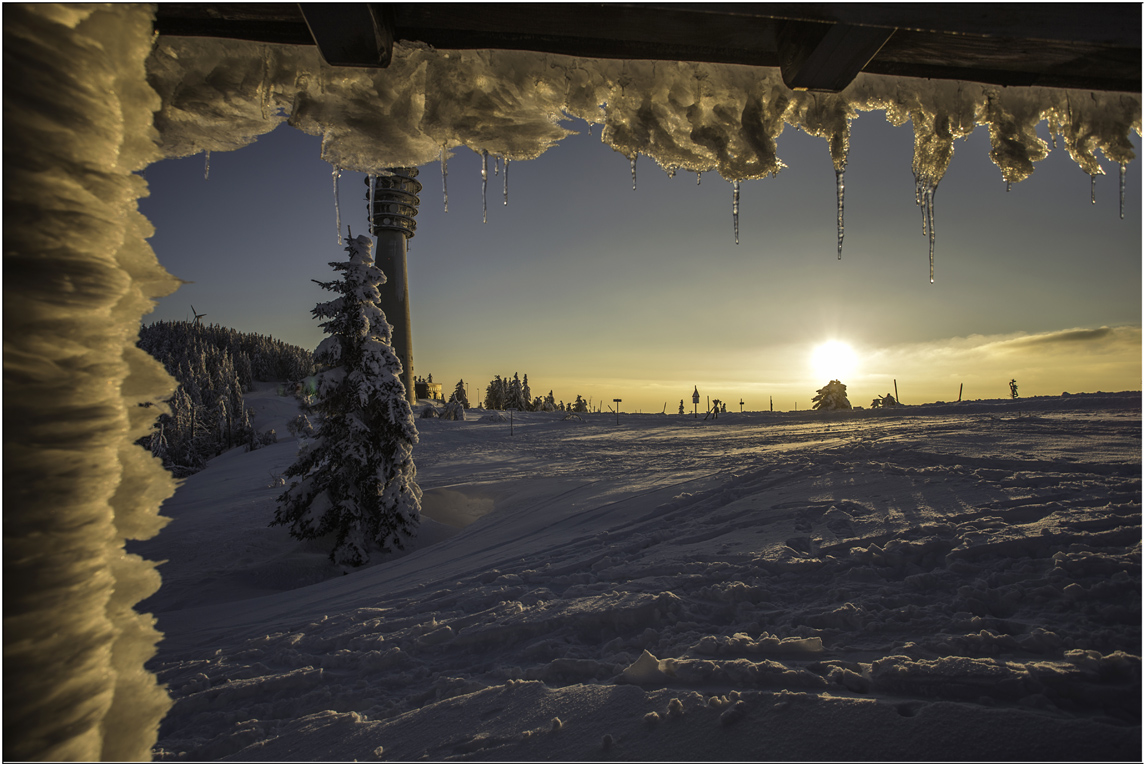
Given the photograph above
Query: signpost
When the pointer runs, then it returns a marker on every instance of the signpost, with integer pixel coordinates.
(695, 400)
(740, 405)
(617, 401)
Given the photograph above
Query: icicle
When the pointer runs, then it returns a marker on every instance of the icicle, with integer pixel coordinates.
(840, 180)
(496, 164)
(589, 128)
(735, 208)
(337, 203)
(506, 181)
(207, 165)
(1092, 191)
(633, 160)
(484, 186)
(1123, 168)
(671, 171)
(698, 178)
(1008, 186)
(924, 191)
(445, 177)
(372, 186)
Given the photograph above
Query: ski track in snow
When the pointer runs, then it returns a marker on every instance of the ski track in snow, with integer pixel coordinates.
(929, 582)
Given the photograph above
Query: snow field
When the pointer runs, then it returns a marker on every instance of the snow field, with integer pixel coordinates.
(934, 583)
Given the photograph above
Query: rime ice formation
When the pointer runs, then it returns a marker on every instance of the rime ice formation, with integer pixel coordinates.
(78, 276)
(690, 116)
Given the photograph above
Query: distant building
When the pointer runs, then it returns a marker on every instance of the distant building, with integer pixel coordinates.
(425, 389)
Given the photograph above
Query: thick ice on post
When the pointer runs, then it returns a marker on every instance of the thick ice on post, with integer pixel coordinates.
(75, 648)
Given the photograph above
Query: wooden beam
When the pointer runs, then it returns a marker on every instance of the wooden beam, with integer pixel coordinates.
(351, 34)
(1090, 46)
(825, 57)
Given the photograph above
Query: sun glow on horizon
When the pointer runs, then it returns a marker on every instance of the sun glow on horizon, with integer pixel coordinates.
(833, 360)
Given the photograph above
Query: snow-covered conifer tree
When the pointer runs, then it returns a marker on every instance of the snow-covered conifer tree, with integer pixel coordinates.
(459, 394)
(515, 399)
(832, 397)
(494, 394)
(357, 479)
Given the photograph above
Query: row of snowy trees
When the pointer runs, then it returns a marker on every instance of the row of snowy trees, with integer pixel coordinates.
(504, 394)
(214, 366)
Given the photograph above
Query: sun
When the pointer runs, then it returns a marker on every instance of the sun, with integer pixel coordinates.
(833, 360)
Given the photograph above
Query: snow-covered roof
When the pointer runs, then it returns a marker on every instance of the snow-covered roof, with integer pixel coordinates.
(221, 94)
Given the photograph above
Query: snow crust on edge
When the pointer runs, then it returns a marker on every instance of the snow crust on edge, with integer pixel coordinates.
(221, 95)
(79, 274)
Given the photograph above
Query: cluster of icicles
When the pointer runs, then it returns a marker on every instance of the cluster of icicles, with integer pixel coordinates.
(221, 94)
(924, 190)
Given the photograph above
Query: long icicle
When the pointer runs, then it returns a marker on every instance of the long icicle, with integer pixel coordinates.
(633, 160)
(496, 164)
(445, 177)
(506, 181)
(337, 204)
(735, 208)
(484, 186)
(207, 165)
(928, 194)
(372, 187)
(1092, 189)
(1123, 168)
(840, 182)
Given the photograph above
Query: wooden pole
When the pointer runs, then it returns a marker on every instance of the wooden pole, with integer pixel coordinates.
(959, 389)
(898, 399)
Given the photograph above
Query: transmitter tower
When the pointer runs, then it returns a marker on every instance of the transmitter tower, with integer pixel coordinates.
(392, 202)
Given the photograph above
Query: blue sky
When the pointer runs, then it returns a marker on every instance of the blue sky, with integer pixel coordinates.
(592, 288)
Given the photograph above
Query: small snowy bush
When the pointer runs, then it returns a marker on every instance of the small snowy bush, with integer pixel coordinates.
(300, 426)
(454, 411)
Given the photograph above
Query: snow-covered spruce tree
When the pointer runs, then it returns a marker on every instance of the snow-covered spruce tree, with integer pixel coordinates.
(459, 394)
(832, 397)
(356, 480)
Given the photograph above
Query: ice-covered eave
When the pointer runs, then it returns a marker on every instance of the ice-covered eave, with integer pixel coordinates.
(699, 117)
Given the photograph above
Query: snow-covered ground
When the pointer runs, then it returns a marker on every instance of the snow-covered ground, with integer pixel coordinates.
(931, 583)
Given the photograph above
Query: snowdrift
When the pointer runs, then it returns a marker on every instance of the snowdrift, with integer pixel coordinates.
(927, 583)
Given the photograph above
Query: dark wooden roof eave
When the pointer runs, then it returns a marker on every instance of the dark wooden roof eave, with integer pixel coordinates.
(817, 46)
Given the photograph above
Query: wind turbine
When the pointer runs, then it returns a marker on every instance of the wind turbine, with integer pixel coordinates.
(198, 316)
